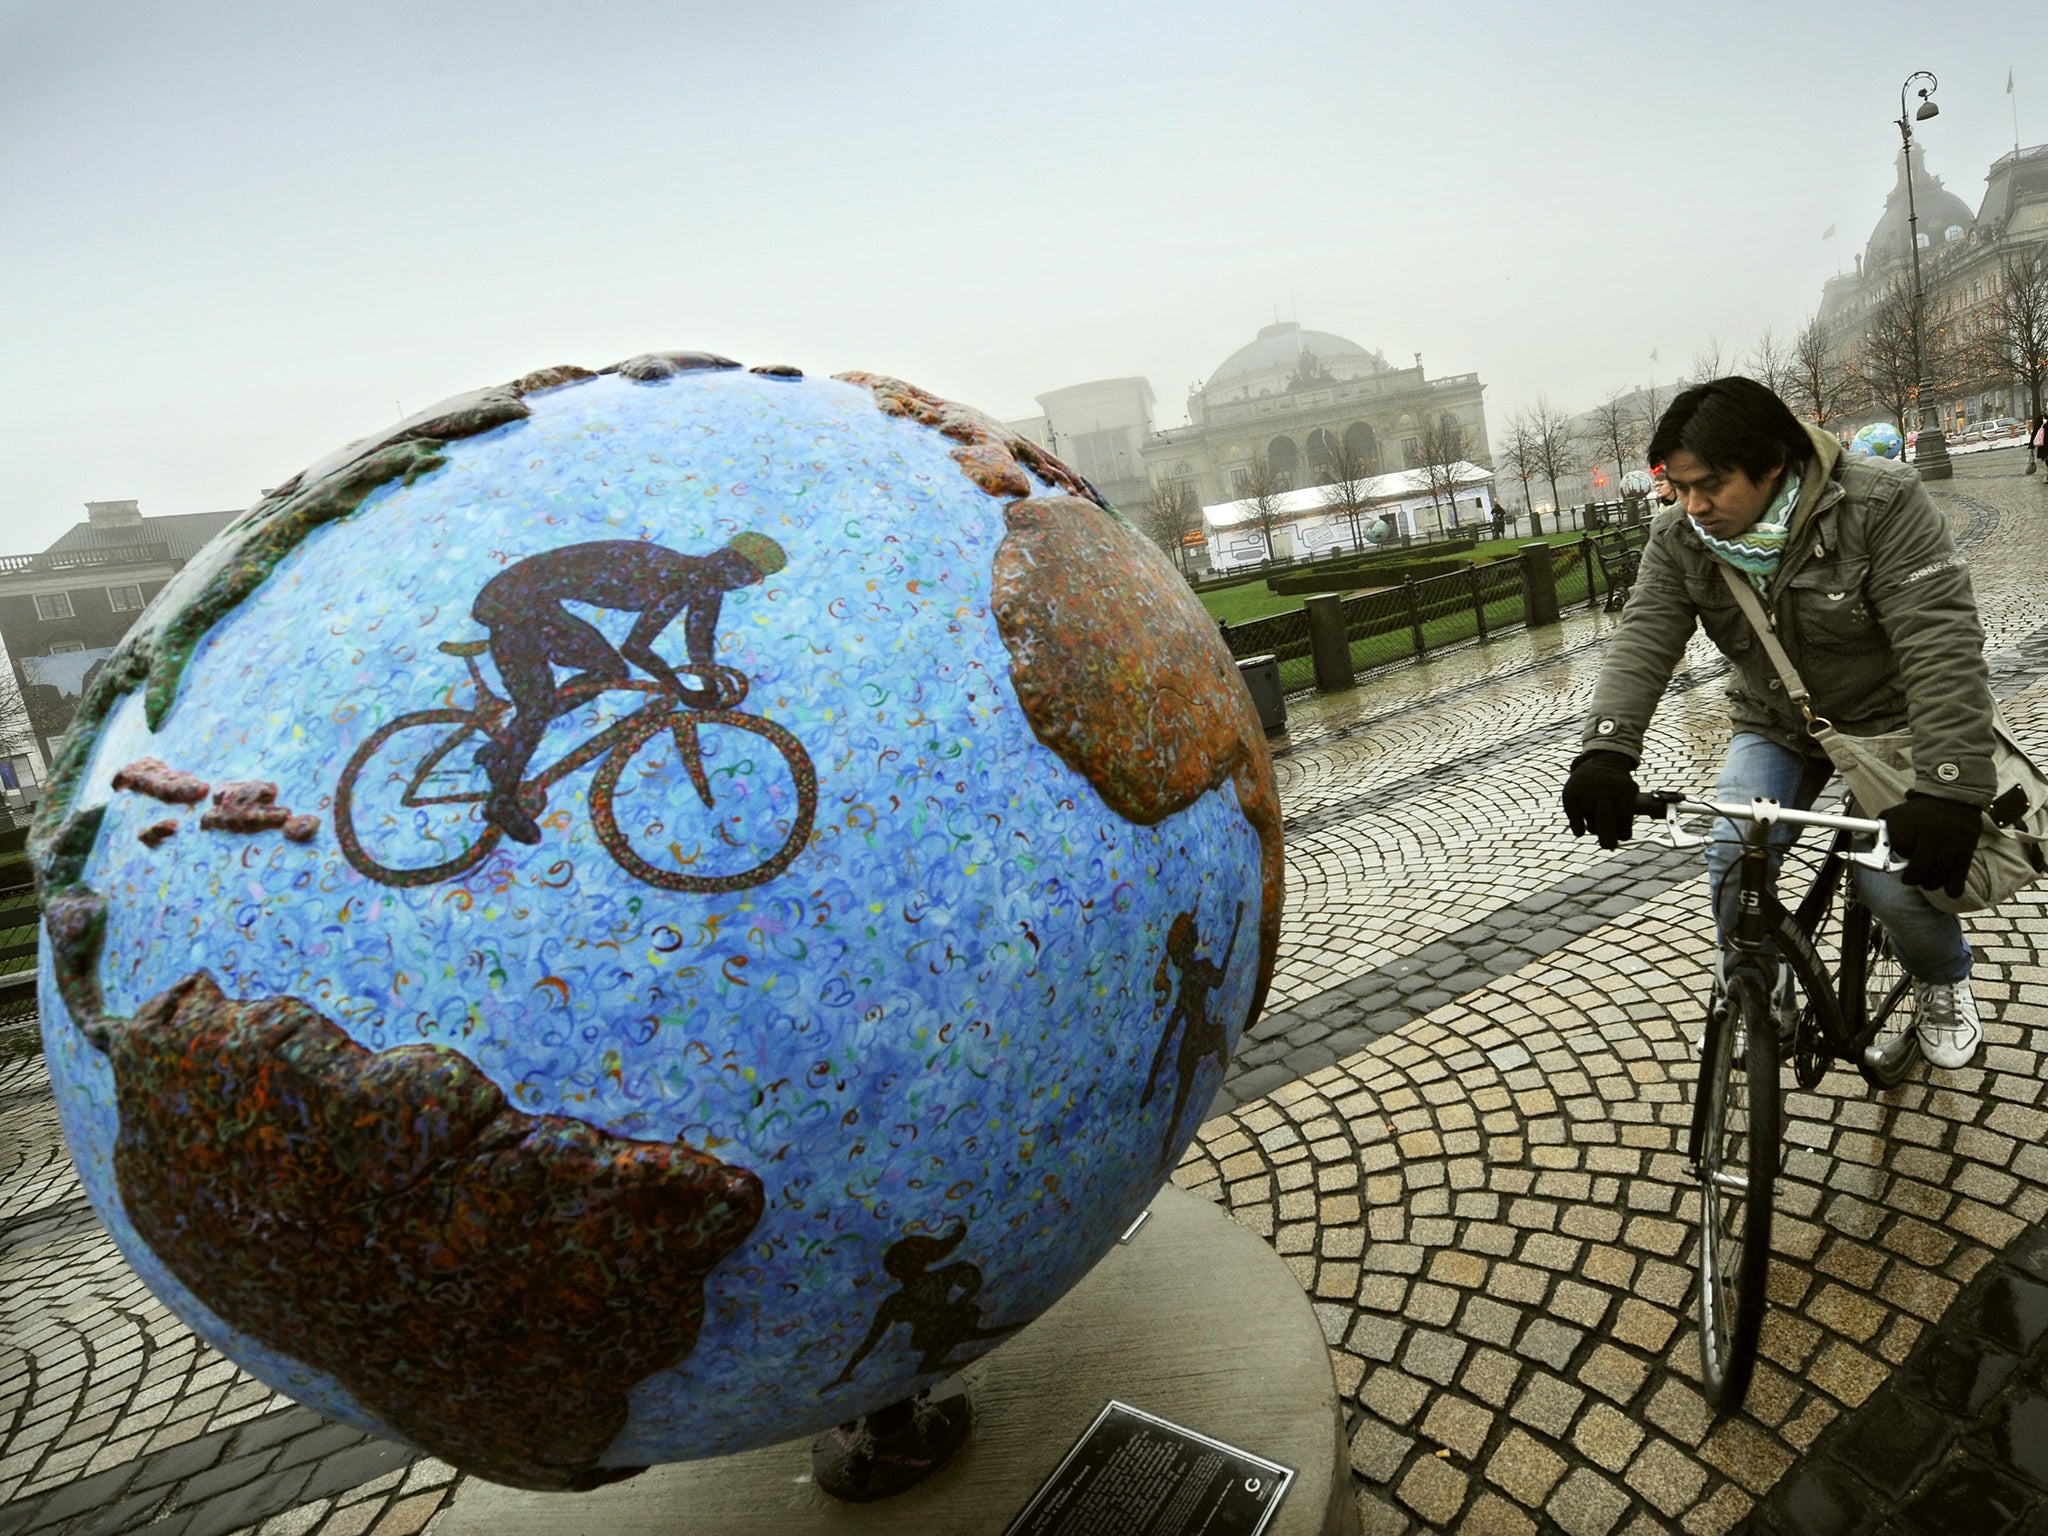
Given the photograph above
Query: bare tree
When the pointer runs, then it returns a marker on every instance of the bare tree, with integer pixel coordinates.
(1820, 386)
(1708, 363)
(1556, 446)
(1770, 364)
(1518, 453)
(1614, 433)
(1650, 405)
(1439, 450)
(32, 718)
(17, 721)
(1262, 493)
(2017, 341)
(1885, 365)
(1169, 515)
(1345, 488)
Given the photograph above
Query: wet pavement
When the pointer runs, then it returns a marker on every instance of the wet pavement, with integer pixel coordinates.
(1458, 1123)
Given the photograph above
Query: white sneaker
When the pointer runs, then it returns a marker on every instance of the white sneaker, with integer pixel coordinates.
(1946, 1014)
(1786, 1005)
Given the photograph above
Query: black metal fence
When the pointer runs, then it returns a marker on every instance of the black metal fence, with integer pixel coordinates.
(1403, 623)
(1593, 516)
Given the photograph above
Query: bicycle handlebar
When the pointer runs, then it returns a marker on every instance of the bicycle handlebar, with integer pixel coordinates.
(1666, 806)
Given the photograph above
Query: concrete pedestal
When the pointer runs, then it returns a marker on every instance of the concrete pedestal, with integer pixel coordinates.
(1194, 1320)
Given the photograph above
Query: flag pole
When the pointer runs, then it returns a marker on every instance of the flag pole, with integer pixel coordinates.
(2015, 122)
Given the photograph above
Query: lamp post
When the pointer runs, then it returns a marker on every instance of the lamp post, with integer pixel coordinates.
(1930, 448)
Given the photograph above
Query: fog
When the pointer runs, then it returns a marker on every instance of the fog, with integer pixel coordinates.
(238, 235)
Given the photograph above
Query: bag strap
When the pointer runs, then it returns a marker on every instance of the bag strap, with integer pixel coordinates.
(1753, 610)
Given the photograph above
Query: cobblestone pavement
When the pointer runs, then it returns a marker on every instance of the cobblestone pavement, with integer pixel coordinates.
(1457, 1124)
(1461, 1125)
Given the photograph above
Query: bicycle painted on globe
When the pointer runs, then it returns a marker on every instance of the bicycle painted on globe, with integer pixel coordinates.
(1857, 1013)
(685, 798)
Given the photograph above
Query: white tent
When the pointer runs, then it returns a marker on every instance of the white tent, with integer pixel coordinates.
(1309, 526)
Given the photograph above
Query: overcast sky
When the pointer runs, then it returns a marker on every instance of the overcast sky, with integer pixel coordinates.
(234, 236)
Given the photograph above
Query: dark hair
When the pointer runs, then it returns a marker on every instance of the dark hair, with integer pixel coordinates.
(1732, 423)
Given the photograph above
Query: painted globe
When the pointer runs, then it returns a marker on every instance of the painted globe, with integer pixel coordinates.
(645, 913)
(1636, 483)
(1880, 439)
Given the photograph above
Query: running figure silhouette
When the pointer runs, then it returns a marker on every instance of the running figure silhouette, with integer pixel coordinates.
(1199, 1037)
(532, 633)
(938, 1320)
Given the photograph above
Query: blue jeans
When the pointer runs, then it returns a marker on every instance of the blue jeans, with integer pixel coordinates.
(1929, 941)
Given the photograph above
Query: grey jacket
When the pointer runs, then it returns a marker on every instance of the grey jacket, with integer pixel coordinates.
(1871, 602)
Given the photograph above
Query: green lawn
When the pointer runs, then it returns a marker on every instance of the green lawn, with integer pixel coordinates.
(1254, 600)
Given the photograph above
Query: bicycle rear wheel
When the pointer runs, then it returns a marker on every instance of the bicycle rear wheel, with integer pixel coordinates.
(1736, 1141)
(1876, 997)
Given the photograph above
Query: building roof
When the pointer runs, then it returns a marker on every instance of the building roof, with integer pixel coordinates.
(1940, 211)
(2015, 180)
(184, 532)
(1280, 345)
(1403, 485)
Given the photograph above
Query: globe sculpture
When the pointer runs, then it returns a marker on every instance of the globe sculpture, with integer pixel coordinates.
(1636, 484)
(1880, 439)
(643, 914)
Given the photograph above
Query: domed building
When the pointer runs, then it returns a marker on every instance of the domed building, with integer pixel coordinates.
(1964, 263)
(1305, 403)
(1944, 218)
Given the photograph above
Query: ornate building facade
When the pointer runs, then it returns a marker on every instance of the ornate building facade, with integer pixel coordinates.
(1290, 397)
(63, 610)
(1962, 261)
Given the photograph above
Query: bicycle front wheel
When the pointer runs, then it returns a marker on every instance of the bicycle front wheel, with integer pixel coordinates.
(1876, 997)
(706, 800)
(1736, 1118)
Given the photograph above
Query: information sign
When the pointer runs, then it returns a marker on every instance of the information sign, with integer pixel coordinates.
(1135, 1474)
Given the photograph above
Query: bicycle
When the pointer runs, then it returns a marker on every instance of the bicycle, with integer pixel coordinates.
(1856, 1015)
(408, 808)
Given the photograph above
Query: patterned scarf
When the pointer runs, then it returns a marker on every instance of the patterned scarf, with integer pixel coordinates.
(1755, 551)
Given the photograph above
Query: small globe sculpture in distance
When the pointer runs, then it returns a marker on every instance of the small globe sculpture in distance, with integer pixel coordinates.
(647, 913)
(1880, 439)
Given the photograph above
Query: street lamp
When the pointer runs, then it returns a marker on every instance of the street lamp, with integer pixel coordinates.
(1930, 448)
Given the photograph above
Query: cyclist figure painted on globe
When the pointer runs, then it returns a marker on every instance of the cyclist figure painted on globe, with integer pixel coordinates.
(532, 633)
(1866, 594)
(428, 795)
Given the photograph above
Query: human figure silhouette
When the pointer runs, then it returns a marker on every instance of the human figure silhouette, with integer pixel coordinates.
(939, 1321)
(1199, 1037)
(532, 633)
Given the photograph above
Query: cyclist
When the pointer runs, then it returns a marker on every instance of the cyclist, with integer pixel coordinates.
(1870, 599)
(532, 633)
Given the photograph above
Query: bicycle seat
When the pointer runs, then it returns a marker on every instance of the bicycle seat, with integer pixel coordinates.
(465, 647)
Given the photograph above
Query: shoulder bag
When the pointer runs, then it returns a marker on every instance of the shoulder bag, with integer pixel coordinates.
(2012, 852)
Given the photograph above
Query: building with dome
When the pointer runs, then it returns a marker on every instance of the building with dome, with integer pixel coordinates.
(1289, 396)
(1962, 260)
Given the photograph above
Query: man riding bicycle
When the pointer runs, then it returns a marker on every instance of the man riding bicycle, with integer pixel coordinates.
(1866, 593)
(532, 634)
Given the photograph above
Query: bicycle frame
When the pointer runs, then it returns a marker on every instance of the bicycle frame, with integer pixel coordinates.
(1762, 922)
(490, 708)
(611, 749)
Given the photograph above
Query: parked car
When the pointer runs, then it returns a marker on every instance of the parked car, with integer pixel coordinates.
(2004, 430)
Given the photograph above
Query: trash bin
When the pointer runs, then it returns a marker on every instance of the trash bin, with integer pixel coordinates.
(1262, 677)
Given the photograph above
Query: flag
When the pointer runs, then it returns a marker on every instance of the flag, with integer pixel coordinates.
(1653, 354)
(1828, 233)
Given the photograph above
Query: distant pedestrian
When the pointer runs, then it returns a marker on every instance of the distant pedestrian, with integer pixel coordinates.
(2040, 440)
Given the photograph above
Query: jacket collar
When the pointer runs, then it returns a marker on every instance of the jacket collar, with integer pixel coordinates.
(1820, 485)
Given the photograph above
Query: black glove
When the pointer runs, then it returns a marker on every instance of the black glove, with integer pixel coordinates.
(1936, 838)
(1600, 796)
